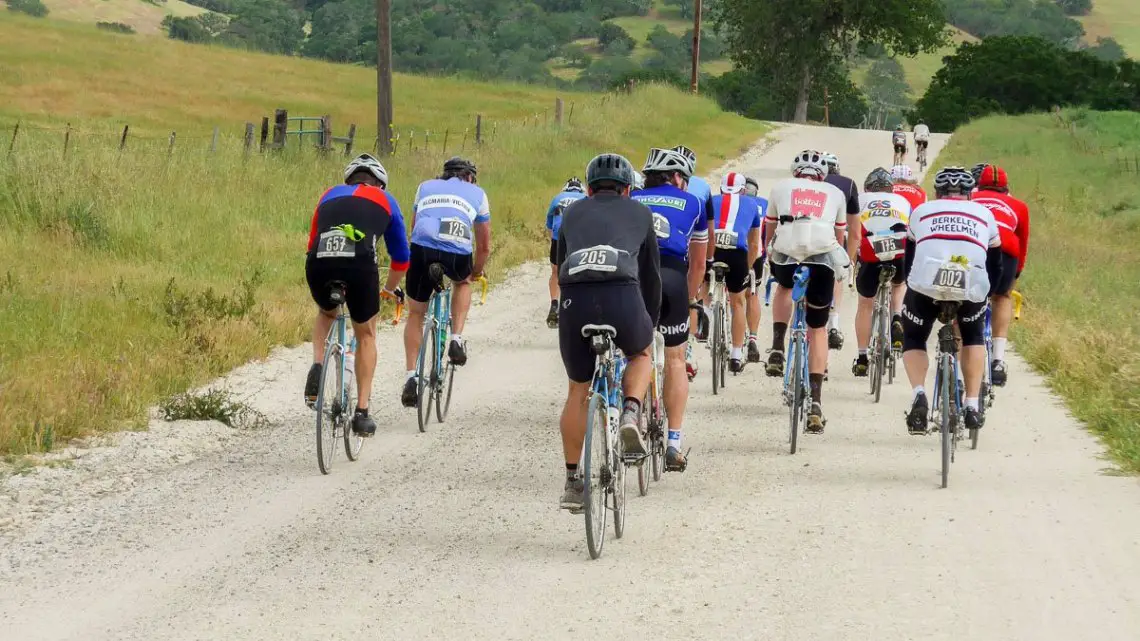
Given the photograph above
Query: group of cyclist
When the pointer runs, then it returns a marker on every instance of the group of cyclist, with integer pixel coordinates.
(921, 142)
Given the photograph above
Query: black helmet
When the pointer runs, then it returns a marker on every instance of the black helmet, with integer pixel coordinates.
(611, 167)
(573, 185)
(976, 170)
(954, 180)
(878, 180)
(456, 166)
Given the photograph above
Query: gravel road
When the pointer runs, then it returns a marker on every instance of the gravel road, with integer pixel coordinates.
(201, 532)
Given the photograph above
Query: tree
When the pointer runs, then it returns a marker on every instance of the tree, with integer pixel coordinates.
(614, 39)
(761, 95)
(795, 38)
(887, 89)
(985, 18)
(575, 55)
(1075, 7)
(34, 8)
(1107, 49)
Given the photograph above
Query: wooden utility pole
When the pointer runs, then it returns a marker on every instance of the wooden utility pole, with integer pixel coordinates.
(384, 115)
(696, 46)
(826, 108)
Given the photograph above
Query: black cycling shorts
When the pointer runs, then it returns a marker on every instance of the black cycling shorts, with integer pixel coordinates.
(920, 311)
(900, 149)
(921, 144)
(418, 286)
(618, 304)
(820, 289)
(1008, 275)
(553, 251)
(674, 321)
(867, 279)
(736, 279)
(362, 285)
(758, 270)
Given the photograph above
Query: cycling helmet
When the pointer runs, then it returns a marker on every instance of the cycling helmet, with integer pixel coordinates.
(879, 180)
(898, 127)
(832, 162)
(993, 177)
(456, 166)
(751, 187)
(667, 160)
(732, 183)
(573, 185)
(954, 180)
(689, 155)
(609, 167)
(902, 172)
(809, 163)
(366, 162)
(976, 170)
(638, 180)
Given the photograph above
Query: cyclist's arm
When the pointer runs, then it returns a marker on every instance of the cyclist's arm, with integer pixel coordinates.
(482, 238)
(396, 241)
(560, 252)
(753, 244)
(854, 228)
(313, 230)
(1023, 236)
(550, 217)
(994, 262)
(649, 274)
(710, 225)
(698, 253)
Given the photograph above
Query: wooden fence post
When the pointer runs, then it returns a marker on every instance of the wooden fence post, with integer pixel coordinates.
(66, 139)
(325, 140)
(558, 111)
(280, 126)
(427, 140)
(214, 141)
(264, 132)
(446, 133)
(478, 129)
(170, 150)
(570, 116)
(248, 138)
(351, 139)
(123, 138)
(466, 131)
(15, 132)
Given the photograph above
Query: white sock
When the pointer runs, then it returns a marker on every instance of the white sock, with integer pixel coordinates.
(918, 389)
(972, 403)
(411, 374)
(458, 338)
(833, 320)
(737, 353)
(999, 348)
(751, 337)
(675, 439)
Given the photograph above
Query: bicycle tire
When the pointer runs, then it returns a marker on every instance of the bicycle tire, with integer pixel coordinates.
(593, 466)
(353, 442)
(885, 348)
(617, 487)
(423, 378)
(873, 348)
(717, 355)
(443, 403)
(329, 396)
(944, 396)
(797, 392)
(643, 465)
(726, 332)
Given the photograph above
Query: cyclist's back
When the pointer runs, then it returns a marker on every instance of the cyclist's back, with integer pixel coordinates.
(446, 210)
(913, 194)
(678, 217)
(944, 230)
(817, 209)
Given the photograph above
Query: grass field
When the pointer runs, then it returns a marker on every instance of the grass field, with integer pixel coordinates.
(1119, 19)
(145, 17)
(1082, 279)
(920, 69)
(126, 277)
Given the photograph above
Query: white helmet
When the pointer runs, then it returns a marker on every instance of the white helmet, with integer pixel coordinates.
(809, 163)
(638, 180)
(365, 162)
(832, 162)
(902, 172)
(668, 160)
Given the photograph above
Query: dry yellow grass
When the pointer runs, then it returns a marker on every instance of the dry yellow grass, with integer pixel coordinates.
(145, 17)
(1119, 19)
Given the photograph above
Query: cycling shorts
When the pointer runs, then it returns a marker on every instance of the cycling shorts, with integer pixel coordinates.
(736, 279)
(867, 278)
(820, 289)
(362, 285)
(920, 311)
(419, 286)
(617, 304)
(674, 321)
(758, 270)
(900, 149)
(1008, 275)
(553, 251)
(921, 144)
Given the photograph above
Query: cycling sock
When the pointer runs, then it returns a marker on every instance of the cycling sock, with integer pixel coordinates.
(862, 352)
(972, 403)
(675, 439)
(752, 337)
(833, 320)
(816, 381)
(631, 404)
(362, 411)
(999, 348)
(411, 374)
(778, 331)
(737, 353)
(458, 338)
(571, 470)
(918, 391)
(554, 302)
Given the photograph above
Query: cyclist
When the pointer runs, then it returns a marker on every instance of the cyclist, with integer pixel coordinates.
(570, 193)
(806, 223)
(348, 220)
(884, 213)
(976, 172)
(753, 311)
(921, 136)
(898, 140)
(610, 273)
(851, 192)
(737, 238)
(1012, 216)
(450, 212)
(638, 181)
(954, 252)
(695, 185)
(907, 186)
(681, 225)
(699, 318)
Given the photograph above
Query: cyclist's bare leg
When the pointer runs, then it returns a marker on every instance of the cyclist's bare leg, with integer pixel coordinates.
(676, 386)
(1002, 309)
(916, 363)
(836, 304)
(739, 320)
(553, 284)
(781, 305)
(897, 294)
(460, 304)
(365, 360)
(573, 421)
(638, 369)
(973, 365)
(817, 350)
(863, 315)
(753, 312)
(413, 332)
(321, 327)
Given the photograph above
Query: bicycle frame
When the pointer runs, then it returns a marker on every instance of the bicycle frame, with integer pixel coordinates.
(797, 332)
(439, 315)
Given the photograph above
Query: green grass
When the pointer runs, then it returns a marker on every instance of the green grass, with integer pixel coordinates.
(1119, 19)
(128, 277)
(920, 69)
(1082, 279)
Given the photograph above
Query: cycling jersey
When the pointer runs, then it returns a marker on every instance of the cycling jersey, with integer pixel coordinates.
(914, 194)
(816, 209)
(699, 187)
(348, 221)
(1012, 217)
(951, 241)
(899, 138)
(734, 217)
(921, 133)
(883, 240)
(558, 205)
(847, 187)
(678, 218)
(446, 212)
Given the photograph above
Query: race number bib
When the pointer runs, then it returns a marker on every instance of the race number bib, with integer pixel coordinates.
(335, 244)
(726, 239)
(887, 247)
(661, 225)
(600, 258)
(952, 280)
(455, 230)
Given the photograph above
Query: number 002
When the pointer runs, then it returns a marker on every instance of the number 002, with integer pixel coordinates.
(948, 278)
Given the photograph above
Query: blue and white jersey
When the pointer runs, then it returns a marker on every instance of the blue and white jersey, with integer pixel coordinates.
(678, 217)
(734, 216)
(558, 205)
(699, 187)
(446, 213)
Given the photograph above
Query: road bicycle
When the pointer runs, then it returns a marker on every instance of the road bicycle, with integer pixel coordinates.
(797, 388)
(921, 153)
(947, 404)
(721, 328)
(603, 461)
(653, 419)
(335, 400)
(881, 352)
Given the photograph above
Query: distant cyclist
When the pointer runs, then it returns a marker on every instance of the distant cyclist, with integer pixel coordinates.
(1012, 216)
(851, 193)
(695, 185)
(571, 193)
(736, 218)
(806, 223)
(907, 186)
(954, 252)
(921, 136)
(681, 225)
(898, 141)
(452, 226)
(885, 218)
(610, 274)
(751, 187)
(348, 221)
(753, 312)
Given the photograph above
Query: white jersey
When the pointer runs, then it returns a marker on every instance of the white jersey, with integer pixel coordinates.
(921, 132)
(879, 213)
(817, 210)
(951, 240)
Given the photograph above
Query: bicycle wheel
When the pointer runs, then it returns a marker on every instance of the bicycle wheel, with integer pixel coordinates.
(443, 402)
(595, 475)
(717, 354)
(884, 351)
(873, 349)
(617, 487)
(797, 398)
(425, 371)
(643, 466)
(726, 332)
(947, 375)
(353, 442)
(330, 411)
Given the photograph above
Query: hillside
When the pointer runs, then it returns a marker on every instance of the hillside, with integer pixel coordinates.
(1119, 19)
(145, 17)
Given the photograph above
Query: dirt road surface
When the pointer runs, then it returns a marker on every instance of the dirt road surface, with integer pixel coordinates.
(455, 534)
